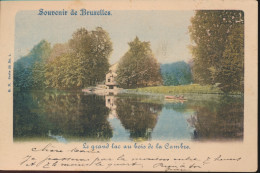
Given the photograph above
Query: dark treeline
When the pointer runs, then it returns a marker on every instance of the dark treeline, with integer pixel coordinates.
(178, 73)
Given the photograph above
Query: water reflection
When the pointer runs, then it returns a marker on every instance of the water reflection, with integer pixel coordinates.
(138, 117)
(71, 115)
(111, 105)
(215, 120)
(67, 116)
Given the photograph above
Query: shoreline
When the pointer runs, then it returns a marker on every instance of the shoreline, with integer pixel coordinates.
(186, 90)
(193, 89)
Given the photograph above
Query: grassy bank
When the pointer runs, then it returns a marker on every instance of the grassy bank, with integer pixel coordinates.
(182, 89)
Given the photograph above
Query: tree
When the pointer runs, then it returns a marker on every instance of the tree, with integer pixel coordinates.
(29, 70)
(41, 54)
(138, 67)
(177, 73)
(58, 50)
(169, 79)
(38, 75)
(81, 62)
(92, 50)
(231, 74)
(23, 74)
(210, 31)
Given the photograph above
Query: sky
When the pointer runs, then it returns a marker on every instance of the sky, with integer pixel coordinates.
(167, 31)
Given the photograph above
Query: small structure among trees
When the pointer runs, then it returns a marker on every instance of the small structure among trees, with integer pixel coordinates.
(111, 78)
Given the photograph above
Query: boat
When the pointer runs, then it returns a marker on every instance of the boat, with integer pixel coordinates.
(170, 97)
(175, 98)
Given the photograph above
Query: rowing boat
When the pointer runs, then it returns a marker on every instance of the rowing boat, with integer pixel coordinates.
(175, 98)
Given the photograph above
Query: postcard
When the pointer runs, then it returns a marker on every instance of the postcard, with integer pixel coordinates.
(129, 85)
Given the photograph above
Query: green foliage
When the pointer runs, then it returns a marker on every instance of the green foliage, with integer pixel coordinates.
(38, 75)
(177, 73)
(138, 67)
(81, 62)
(171, 90)
(29, 70)
(58, 50)
(84, 64)
(231, 73)
(216, 48)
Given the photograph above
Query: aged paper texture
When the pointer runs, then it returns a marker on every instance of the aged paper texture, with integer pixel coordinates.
(129, 85)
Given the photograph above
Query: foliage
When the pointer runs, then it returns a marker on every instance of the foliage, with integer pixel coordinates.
(171, 90)
(218, 49)
(138, 67)
(29, 70)
(81, 62)
(84, 63)
(58, 50)
(93, 50)
(62, 73)
(231, 74)
(177, 73)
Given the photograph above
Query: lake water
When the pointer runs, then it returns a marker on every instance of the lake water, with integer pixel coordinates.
(76, 116)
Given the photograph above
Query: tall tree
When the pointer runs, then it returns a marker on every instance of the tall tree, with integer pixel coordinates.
(41, 54)
(54, 71)
(93, 50)
(29, 70)
(210, 31)
(231, 74)
(81, 62)
(138, 67)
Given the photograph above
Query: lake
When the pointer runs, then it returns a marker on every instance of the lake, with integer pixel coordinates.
(77, 116)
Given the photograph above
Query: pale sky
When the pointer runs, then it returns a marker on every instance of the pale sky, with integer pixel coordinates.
(167, 31)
